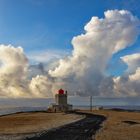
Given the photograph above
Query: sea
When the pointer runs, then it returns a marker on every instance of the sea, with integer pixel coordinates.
(10, 106)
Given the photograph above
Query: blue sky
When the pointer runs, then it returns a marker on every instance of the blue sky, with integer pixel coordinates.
(41, 25)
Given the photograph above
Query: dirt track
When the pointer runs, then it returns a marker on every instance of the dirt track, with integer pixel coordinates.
(84, 129)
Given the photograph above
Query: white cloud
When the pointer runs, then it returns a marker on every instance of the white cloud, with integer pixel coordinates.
(133, 61)
(83, 72)
(13, 71)
(41, 86)
(128, 84)
(135, 76)
(47, 55)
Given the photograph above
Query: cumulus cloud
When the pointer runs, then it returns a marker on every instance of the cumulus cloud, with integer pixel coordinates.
(128, 84)
(13, 71)
(41, 86)
(83, 72)
(47, 55)
(132, 61)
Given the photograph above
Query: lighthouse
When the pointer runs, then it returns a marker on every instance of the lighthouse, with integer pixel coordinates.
(61, 97)
(60, 102)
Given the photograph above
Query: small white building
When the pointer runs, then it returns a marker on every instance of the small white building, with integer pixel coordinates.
(61, 102)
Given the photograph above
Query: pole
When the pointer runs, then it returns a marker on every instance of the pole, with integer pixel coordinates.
(90, 103)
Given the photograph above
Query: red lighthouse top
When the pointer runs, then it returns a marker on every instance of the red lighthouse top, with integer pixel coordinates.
(60, 91)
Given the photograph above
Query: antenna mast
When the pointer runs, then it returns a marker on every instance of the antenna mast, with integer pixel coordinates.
(90, 103)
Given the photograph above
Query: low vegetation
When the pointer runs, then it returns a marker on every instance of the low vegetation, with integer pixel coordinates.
(34, 122)
(119, 125)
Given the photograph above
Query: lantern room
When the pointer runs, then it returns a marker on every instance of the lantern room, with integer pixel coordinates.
(60, 91)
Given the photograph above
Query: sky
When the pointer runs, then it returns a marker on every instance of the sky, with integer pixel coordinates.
(88, 47)
(49, 25)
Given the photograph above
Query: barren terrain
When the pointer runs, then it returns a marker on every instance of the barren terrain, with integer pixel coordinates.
(119, 125)
(21, 125)
(34, 122)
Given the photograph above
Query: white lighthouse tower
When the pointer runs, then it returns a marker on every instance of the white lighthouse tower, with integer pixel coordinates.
(61, 102)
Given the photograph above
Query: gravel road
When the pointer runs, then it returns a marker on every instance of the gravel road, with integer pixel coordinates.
(84, 129)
